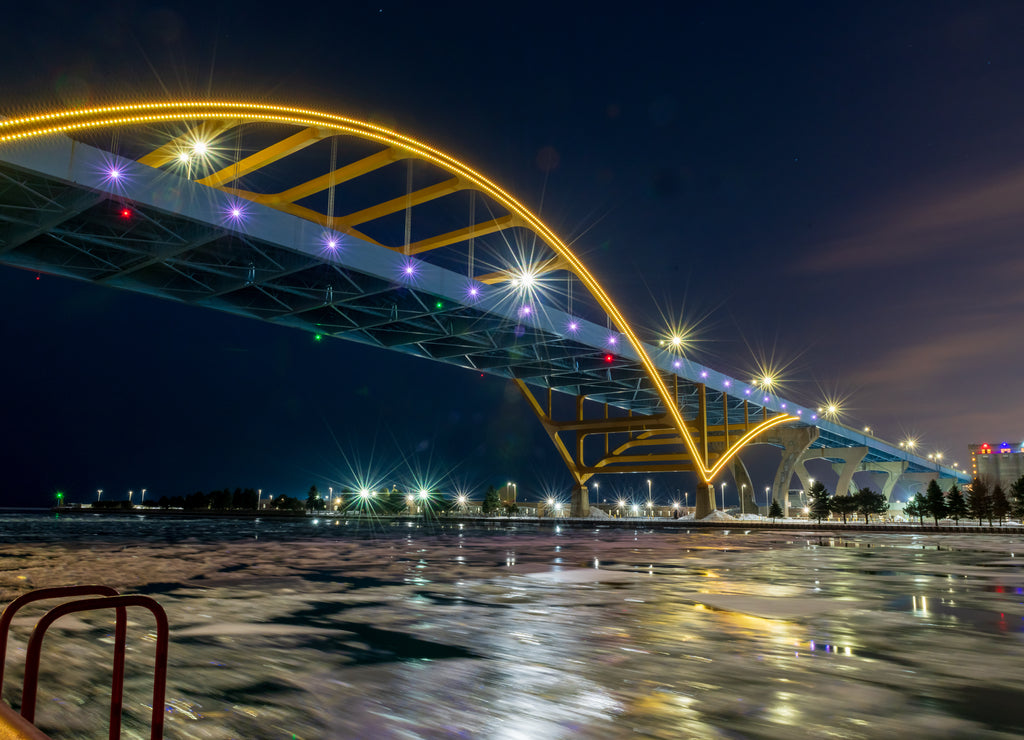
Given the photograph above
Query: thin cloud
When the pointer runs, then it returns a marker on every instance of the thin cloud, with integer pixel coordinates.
(950, 221)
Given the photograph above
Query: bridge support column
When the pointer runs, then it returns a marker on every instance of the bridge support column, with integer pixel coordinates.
(705, 500)
(852, 457)
(580, 506)
(794, 443)
(744, 485)
(892, 470)
(891, 476)
(916, 482)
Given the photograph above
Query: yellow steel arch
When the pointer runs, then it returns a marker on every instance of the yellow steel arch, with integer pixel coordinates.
(231, 113)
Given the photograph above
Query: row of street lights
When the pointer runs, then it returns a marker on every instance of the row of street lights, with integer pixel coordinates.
(99, 495)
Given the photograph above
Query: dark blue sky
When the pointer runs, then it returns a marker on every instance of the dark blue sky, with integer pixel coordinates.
(838, 186)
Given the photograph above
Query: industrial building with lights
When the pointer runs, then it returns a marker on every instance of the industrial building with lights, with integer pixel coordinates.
(1003, 464)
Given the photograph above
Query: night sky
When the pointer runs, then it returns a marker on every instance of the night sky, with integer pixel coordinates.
(836, 189)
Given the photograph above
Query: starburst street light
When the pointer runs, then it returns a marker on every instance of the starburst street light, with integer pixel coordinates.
(830, 410)
(525, 279)
(676, 341)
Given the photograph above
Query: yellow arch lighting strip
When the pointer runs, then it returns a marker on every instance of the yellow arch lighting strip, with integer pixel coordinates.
(65, 121)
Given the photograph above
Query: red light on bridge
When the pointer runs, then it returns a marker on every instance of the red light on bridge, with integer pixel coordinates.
(609, 358)
(126, 213)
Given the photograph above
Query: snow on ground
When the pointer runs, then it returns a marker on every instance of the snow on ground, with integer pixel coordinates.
(718, 516)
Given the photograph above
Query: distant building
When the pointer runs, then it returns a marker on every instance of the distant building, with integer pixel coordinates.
(1003, 464)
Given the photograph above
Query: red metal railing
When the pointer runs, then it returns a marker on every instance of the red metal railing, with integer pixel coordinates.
(108, 599)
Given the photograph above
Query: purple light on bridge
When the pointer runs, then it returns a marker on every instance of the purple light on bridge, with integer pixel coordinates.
(331, 241)
(472, 292)
(525, 310)
(677, 364)
(703, 373)
(612, 340)
(410, 270)
(814, 416)
(728, 384)
(573, 326)
(747, 391)
(235, 212)
(113, 174)
(766, 399)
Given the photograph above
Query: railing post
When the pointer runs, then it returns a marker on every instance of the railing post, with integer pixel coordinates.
(119, 603)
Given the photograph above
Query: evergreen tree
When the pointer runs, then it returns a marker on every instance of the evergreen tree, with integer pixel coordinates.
(312, 498)
(956, 504)
(935, 501)
(492, 501)
(843, 506)
(393, 501)
(1017, 498)
(774, 511)
(1000, 504)
(870, 502)
(979, 503)
(916, 507)
(819, 500)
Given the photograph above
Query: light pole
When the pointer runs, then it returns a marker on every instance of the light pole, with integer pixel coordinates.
(130, 498)
(259, 495)
(767, 500)
(143, 496)
(648, 489)
(743, 492)
(686, 498)
(723, 497)
(99, 492)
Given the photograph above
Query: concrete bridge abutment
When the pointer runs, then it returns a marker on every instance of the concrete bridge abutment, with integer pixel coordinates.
(705, 500)
(580, 504)
(795, 442)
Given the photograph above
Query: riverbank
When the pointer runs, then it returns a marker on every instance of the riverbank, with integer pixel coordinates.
(652, 523)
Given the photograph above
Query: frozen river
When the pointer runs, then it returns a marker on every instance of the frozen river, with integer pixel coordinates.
(324, 630)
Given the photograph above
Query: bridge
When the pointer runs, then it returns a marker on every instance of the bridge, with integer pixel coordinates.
(348, 230)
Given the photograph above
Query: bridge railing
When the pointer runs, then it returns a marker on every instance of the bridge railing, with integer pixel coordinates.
(102, 597)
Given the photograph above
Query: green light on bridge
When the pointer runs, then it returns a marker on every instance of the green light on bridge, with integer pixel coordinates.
(318, 337)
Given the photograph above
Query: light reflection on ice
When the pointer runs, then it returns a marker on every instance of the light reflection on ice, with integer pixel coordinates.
(421, 632)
